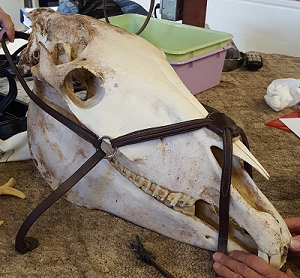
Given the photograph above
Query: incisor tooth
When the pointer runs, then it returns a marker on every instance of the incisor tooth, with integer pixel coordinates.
(275, 261)
(263, 255)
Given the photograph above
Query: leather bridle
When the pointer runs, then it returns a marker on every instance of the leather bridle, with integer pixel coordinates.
(217, 122)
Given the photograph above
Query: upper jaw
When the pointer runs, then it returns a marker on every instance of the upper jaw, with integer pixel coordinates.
(261, 229)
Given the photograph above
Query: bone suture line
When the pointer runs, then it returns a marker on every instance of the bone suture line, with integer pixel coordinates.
(6, 189)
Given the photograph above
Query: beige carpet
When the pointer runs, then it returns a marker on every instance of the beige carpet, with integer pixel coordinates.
(78, 242)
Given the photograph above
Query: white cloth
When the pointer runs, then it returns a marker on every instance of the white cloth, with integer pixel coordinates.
(15, 148)
(282, 93)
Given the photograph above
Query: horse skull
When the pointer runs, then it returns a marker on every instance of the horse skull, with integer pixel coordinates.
(170, 186)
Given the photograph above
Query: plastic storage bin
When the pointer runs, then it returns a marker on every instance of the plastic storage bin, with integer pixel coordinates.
(178, 41)
(202, 72)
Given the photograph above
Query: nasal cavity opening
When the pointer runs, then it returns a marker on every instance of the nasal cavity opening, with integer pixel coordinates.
(83, 88)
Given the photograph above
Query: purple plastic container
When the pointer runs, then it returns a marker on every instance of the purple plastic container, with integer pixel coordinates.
(201, 72)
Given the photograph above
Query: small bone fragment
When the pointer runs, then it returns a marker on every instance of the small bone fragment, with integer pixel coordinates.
(6, 189)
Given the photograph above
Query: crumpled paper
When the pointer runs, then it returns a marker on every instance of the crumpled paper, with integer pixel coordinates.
(282, 93)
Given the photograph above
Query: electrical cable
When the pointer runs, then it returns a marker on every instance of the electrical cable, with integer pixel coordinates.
(146, 20)
(156, 7)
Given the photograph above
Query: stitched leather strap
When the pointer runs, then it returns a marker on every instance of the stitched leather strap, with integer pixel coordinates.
(24, 244)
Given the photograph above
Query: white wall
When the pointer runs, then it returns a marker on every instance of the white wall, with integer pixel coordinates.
(12, 7)
(269, 26)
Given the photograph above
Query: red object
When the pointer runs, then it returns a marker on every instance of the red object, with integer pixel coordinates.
(280, 125)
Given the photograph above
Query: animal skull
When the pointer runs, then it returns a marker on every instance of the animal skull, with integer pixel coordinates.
(171, 185)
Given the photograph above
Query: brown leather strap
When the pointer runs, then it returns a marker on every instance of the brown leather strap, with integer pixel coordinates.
(24, 244)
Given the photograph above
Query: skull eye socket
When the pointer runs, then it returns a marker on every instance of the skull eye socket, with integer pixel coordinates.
(83, 88)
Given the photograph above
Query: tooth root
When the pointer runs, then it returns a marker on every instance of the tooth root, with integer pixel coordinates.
(263, 255)
(275, 261)
(240, 150)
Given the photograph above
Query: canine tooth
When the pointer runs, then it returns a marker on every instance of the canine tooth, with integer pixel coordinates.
(275, 261)
(240, 150)
(263, 255)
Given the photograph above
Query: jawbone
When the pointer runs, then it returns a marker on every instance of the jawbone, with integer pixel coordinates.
(170, 186)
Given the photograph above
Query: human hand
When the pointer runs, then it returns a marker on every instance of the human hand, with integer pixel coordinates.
(7, 26)
(293, 224)
(242, 265)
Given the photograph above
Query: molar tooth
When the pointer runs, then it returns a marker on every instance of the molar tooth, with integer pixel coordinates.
(167, 203)
(127, 173)
(147, 184)
(145, 189)
(136, 182)
(141, 181)
(156, 191)
(160, 193)
(173, 198)
(133, 176)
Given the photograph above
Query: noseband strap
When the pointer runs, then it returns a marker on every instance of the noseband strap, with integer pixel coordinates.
(217, 122)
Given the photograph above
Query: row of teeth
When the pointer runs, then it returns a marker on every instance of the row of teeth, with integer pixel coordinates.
(180, 202)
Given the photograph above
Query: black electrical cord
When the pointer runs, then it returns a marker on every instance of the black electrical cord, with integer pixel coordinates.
(156, 7)
(146, 20)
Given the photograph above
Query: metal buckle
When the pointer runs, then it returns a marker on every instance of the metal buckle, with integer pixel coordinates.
(114, 149)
